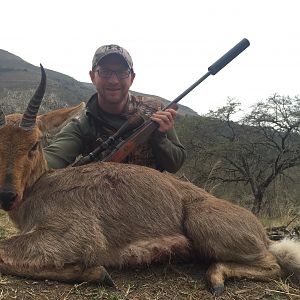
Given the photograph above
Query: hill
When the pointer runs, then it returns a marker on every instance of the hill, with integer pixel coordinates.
(19, 79)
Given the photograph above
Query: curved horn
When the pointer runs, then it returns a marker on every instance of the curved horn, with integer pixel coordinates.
(2, 118)
(29, 116)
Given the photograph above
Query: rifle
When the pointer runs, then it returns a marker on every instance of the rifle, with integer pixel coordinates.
(142, 130)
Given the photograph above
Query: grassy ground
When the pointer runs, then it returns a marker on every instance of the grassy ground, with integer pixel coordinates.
(158, 282)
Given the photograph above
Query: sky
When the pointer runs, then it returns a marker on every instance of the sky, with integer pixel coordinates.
(172, 43)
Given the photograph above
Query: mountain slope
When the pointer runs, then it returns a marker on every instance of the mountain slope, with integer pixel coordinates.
(19, 79)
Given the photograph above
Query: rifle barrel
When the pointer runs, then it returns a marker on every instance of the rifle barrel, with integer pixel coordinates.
(215, 67)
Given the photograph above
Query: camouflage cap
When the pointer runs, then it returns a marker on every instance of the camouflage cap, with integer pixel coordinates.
(111, 49)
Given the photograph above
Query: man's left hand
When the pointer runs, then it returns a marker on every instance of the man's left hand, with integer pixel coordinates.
(165, 119)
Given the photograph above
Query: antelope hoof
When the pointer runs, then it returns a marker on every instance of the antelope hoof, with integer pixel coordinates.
(106, 279)
(217, 290)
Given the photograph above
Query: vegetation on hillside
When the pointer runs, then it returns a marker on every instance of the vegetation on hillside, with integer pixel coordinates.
(249, 158)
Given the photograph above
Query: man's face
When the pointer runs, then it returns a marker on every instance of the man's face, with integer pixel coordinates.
(112, 86)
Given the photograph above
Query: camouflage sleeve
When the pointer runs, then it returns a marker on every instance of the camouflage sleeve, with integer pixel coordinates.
(169, 152)
(66, 146)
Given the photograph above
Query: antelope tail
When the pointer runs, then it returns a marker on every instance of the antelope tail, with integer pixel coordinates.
(287, 253)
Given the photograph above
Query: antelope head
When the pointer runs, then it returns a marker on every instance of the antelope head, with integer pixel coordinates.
(22, 161)
(21, 157)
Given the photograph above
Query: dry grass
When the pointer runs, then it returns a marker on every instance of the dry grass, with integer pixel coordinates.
(288, 220)
(180, 281)
(155, 283)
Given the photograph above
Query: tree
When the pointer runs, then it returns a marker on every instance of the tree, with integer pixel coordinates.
(259, 147)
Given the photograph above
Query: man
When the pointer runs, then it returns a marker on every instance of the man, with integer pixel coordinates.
(112, 75)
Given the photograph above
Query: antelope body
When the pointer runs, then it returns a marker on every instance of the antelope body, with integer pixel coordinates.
(76, 222)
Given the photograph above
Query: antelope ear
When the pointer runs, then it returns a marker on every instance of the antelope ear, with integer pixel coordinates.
(56, 119)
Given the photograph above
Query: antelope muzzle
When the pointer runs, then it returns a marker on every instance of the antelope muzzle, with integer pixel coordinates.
(9, 199)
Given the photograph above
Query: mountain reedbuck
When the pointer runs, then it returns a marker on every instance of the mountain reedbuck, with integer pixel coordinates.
(76, 222)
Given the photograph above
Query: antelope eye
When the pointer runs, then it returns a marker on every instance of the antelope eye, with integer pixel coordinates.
(33, 149)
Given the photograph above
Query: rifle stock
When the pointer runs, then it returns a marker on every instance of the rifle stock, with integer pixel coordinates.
(126, 147)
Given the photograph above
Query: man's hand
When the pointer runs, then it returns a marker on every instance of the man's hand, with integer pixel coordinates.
(165, 119)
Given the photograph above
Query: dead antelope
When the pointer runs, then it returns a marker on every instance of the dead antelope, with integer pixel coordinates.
(76, 222)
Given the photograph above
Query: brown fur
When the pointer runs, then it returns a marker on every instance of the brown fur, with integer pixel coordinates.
(75, 221)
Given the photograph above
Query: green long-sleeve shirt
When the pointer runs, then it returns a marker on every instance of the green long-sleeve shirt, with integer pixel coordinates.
(78, 137)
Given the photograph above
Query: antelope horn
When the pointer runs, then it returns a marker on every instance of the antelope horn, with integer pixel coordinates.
(2, 118)
(29, 116)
